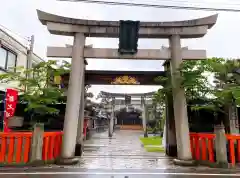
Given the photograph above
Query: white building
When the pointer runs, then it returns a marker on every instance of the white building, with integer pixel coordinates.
(12, 54)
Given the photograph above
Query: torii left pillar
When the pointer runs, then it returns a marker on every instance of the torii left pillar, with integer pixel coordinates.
(111, 121)
(171, 142)
(144, 116)
(80, 134)
(74, 94)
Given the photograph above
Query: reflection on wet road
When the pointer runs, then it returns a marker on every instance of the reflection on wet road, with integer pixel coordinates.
(123, 151)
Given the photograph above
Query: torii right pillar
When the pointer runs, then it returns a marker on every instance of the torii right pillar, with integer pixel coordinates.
(184, 155)
(179, 103)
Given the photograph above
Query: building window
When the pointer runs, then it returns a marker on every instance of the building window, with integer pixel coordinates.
(8, 59)
(3, 57)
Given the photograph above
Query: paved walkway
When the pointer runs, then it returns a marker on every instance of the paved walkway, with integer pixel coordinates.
(121, 156)
(123, 143)
(123, 151)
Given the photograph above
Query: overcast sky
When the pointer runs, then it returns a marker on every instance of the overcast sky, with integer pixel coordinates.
(221, 41)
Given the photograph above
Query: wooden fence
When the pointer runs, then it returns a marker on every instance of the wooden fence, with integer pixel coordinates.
(15, 147)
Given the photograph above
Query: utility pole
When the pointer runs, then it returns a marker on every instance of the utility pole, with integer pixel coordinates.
(29, 58)
(30, 53)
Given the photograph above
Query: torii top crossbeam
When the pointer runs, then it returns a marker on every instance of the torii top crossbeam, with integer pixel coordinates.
(60, 25)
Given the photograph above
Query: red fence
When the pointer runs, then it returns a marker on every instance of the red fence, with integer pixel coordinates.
(202, 147)
(234, 149)
(52, 142)
(15, 147)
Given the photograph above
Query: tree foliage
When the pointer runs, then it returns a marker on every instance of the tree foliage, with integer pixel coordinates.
(196, 79)
(227, 81)
(39, 91)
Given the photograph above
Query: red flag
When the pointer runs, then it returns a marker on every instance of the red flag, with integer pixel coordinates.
(10, 107)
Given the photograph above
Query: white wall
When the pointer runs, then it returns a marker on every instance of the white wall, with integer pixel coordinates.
(8, 41)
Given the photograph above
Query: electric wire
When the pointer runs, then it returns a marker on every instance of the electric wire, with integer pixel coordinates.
(155, 5)
(172, 1)
(188, 2)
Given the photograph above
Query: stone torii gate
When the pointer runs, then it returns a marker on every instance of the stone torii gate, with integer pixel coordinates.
(142, 96)
(80, 29)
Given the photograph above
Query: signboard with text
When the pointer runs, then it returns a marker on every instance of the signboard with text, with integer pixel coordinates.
(10, 104)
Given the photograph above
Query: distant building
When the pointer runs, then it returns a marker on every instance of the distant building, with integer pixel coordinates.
(135, 103)
(12, 54)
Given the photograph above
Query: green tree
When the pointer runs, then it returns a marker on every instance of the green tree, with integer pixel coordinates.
(64, 68)
(87, 93)
(222, 95)
(194, 79)
(37, 90)
(227, 90)
(226, 82)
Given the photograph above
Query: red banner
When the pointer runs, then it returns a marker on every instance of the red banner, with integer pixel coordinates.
(10, 107)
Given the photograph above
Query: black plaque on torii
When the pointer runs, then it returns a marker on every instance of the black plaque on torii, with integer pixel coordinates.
(127, 99)
(128, 37)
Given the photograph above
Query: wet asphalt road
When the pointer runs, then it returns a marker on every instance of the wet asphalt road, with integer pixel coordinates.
(121, 173)
(111, 176)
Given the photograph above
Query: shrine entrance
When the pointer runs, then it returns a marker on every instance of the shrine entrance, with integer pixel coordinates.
(128, 33)
(129, 116)
(128, 109)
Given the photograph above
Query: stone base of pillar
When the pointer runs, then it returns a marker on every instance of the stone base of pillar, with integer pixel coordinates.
(78, 149)
(223, 164)
(88, 135)
(67, 161)
(185, 162)
(171, 150)
(110, 135)
(145, 134)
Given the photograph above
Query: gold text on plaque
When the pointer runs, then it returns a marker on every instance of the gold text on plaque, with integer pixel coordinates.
(125, 80)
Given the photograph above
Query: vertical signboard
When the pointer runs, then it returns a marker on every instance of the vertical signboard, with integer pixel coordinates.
(128, 37)
(127, 99)
(10, 104)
